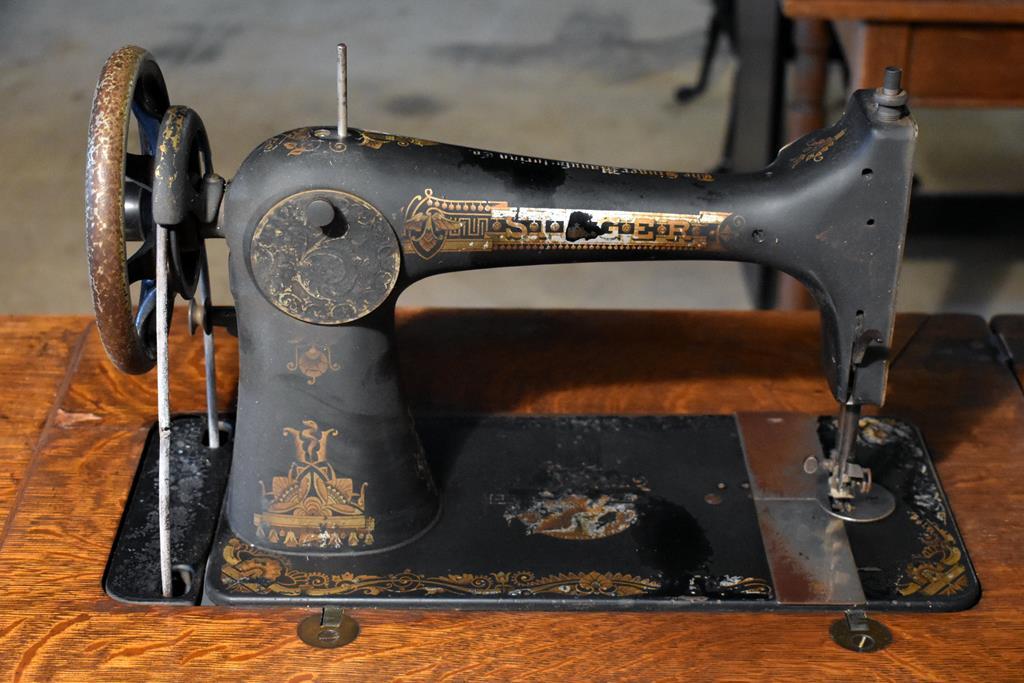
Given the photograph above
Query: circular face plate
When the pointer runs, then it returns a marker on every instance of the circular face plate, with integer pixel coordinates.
(325, 274)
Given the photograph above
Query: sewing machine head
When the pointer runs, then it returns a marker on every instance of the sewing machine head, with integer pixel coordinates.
(327, 225)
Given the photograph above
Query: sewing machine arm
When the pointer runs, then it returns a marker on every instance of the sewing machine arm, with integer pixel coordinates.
(831, 211)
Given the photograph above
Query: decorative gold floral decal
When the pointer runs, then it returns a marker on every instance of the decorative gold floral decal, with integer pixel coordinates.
(312, 506)
(577, 517)
(577, 503)
(247, 569)
(377, 140)
(312, 361)
(319, 277)
(301, 141)
(938, 568)
(816, 149)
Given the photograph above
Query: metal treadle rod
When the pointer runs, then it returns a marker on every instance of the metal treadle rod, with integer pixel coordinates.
(163, 410)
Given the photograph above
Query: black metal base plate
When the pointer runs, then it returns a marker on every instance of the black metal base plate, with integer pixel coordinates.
(199, 476)
(579, 513)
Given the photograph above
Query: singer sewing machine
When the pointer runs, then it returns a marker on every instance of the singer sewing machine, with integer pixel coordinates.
(322, 488)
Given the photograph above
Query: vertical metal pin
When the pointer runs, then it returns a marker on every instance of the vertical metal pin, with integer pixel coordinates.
(849, 424)
(163, 411)
(342, 90)
(212, 421)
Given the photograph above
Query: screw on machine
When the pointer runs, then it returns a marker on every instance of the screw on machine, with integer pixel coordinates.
(331, 628)
(858, 632)
(891, 97)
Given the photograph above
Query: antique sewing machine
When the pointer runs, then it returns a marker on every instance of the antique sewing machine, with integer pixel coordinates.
(322, 489)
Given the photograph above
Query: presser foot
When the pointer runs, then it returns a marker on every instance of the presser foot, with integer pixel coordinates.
(857, 504)
(851, 495)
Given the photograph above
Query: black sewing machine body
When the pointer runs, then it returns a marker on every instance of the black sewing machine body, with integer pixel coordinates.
(338, 495)
(831, 211)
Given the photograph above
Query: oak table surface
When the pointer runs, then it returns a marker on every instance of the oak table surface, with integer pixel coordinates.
(72, 427)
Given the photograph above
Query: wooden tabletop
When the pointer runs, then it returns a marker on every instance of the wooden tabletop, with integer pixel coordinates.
(73, 427)
(919, 11)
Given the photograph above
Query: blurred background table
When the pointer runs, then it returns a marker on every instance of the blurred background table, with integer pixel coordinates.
(954, 53)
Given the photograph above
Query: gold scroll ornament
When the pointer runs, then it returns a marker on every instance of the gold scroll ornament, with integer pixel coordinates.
(312, 361)
(938, 568)
(377, 140)
(248, 569)
(312, 506)
(816, 149)
(301, 141)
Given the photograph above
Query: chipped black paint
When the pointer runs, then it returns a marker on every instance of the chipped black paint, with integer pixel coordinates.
(516, 175)
(581, 226)
(577, 503)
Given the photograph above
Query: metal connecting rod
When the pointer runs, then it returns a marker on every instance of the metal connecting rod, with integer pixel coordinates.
(212, 418)
(163, 410)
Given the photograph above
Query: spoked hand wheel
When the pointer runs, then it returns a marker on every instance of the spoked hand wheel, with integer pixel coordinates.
(118, 205)
(127, 195)
(166, 197)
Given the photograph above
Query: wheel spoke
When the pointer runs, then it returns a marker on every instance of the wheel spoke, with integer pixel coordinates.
(149, 127)
(138, 212)
(138, 168)
(140, 266)
(147, 305)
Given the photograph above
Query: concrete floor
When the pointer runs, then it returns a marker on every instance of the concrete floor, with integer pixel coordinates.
(580, 79)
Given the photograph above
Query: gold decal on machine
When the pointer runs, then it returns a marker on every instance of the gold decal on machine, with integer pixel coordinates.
(438, 224)
(435, 224)
(938, 569)
(311, 506)
(301, 141)
(374, 140)
(312, 361)
(248, 569)
(816, 149)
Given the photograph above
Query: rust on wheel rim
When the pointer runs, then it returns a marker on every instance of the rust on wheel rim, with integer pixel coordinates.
(130, 76)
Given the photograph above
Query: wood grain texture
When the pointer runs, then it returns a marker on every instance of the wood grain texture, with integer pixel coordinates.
(954, 53)
(35, 354)
(966, 11)
(963, 66)
(943, 65)
(870, 47)
(57, 624)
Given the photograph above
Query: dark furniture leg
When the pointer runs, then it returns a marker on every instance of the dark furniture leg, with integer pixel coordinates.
(753, 137)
